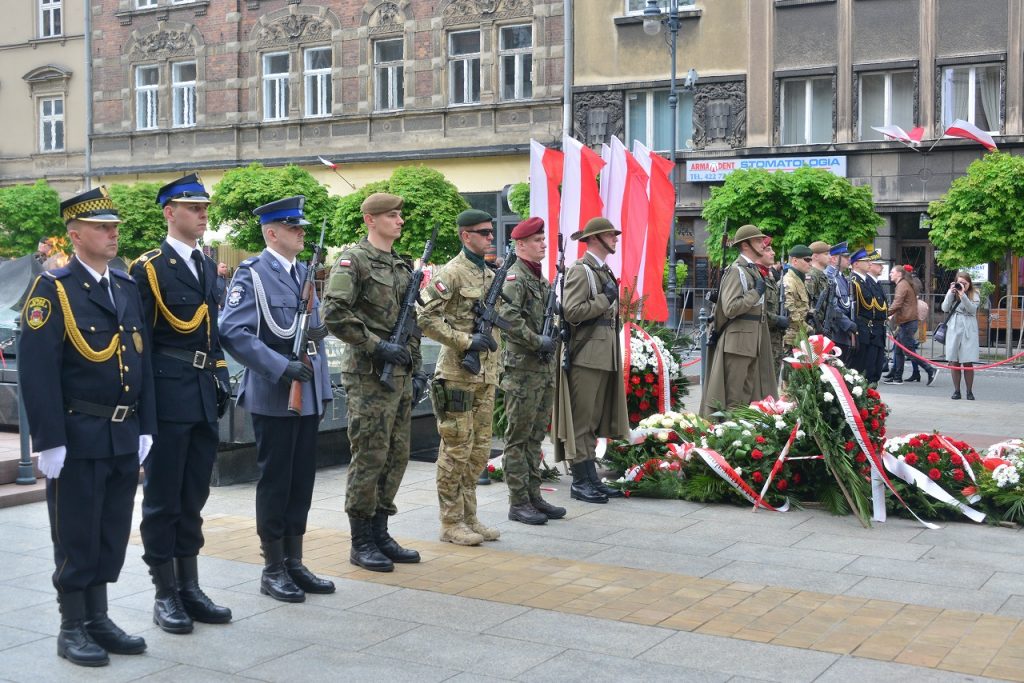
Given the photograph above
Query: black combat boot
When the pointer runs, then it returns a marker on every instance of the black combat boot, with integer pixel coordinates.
(276, 581)
(105, 632)
(527, 514)
(599, 485)
(485, 478)
(546, 508)
(582, 488)
(74, 642)
(197, 604)
(168, 612)
(303, 578)
(388, 545)
(365, 552)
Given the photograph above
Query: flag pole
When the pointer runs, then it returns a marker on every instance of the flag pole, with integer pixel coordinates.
(334, 167)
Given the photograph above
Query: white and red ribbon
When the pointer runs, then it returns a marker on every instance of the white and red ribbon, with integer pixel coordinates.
(664, 381)
(779, 462)
(912, 475)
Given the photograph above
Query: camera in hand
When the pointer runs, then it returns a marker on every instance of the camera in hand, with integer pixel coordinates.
(957, 286)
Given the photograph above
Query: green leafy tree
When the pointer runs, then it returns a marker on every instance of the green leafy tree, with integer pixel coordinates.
(429, 198)
(794, 208)
(28, 213)
(142, 220)
(978, 219)
(243, 189)
(519, 199)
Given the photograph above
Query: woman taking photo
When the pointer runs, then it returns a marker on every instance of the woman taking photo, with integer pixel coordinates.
(961, 303)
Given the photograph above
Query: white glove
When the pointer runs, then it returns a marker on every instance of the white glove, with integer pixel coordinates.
(145, 443)
(51, 461)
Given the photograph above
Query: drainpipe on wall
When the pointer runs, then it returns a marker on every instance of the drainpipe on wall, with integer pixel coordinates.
(567, 70)
(88, 95)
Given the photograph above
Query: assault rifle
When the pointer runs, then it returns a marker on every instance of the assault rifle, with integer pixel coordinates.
(822, 316)
(301, 346)
(549, 329)
(405, 326)
(487, 317)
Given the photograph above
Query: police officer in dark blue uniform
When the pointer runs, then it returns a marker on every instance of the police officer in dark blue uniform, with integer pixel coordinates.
(91, 414)
(177, 285)
(258, 325)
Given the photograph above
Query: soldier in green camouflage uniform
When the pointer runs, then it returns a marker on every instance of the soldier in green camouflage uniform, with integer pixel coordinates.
(463, 402)
(529, 379)
(817, 281)
(361, 304)
(772, 295)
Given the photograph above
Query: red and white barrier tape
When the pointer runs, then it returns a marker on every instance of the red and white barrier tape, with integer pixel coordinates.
(954, 367)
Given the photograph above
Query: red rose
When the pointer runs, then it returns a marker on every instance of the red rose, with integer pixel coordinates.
(958, 475)
(689, 430)
(933, 457)
(760, 439)
(873, 394)
(627, 493)
(935, 443)
(638, 392)
(956, 459)
(863, 413)
(881, 432)
(649, 378)
(490, 467)
(860, 457)
(796, 477)
(674, 465)
(875, 424)
(634, 379)
(876, 410)
(634, 417)
(914, 442)
(849, 446)
(673, 437)
(756, 454)
(644, 405)
(910, 459)
(969, 491)
(758, 477)
(934, 474)
(782, 484)
(655, 390)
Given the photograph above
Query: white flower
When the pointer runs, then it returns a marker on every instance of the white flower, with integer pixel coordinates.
(823, 378)
(849, 378)
(780, 424)
(746, 432)
(662, 436)
(857, 391)
(828, 397)
(737, 443)
(719, 432)
(739, 471)
(667, 422)
(800, 433)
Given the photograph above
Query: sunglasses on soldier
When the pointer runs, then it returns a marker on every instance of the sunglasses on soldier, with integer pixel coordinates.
(486, 232)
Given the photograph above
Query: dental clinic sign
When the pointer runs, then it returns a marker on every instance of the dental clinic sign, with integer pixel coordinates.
(714, 170)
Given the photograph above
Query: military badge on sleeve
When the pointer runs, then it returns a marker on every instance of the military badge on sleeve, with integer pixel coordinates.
(235, 295)
(37, 312)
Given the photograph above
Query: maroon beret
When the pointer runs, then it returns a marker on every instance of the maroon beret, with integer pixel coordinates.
(527, 228)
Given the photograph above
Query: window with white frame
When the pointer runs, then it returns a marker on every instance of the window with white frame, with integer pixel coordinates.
(144, 4)
(317, 77)
(389, 74)
(515, 48)
(183, 94)
(275, 86)
(51, 124)
(147, 84)
(649, 119)
(464, 67)
(50, 18)
(637, 6)
(806, 111)
(972, 93)
(886, 99)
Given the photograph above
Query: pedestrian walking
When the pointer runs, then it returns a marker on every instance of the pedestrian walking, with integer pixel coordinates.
(903, 315)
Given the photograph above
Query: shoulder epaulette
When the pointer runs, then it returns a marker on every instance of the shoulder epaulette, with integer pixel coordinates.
(57, 273)
(149, 255)
(123, 275)
(248, 262)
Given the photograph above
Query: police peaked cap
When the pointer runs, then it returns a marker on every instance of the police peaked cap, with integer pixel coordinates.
(841, 249)
(287, 211)
(471, 217)
(859, 255)
(93, 206)
(527, 228)
(381, 202)
(187, 189)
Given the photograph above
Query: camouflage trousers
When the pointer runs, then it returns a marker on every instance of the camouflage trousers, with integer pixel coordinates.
(465, 448)
(528, 399)
(378, 432)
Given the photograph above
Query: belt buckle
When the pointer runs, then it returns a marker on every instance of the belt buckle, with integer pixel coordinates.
(120, 413)
(311, 348)
(199, 360)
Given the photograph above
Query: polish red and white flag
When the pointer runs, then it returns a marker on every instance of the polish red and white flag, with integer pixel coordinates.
(661, 195)
(969, 131)
(581, 197)
(545, 200)
(613, 190)
(897, 133)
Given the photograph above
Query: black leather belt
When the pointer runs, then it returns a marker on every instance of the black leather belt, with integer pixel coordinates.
(201, 360)
(112, 413)
(597, 322)
(749, 316)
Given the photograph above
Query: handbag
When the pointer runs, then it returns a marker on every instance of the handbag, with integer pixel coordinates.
(940, 331)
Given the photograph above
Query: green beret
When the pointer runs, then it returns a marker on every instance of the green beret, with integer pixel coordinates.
(471, 217)
(381, 202)
(800, 251)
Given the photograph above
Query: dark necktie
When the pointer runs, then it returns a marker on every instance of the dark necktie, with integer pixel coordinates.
(295, 276)
(105, 284)
(197, 258)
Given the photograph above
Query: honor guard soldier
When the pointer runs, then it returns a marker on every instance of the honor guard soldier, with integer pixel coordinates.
(838, 321)
(258, 326)
(361, 306)
(870, 309)
(463, 401)
(797, 301)
(741, 368)
(528, 380)
(591, 400)
(817, 281)
(91, 414)
(177, 285)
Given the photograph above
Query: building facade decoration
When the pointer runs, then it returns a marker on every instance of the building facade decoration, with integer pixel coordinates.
(720, 115)
(292, 28)
(386, 18)
(475, 11)
(162, 43)
(598, 115)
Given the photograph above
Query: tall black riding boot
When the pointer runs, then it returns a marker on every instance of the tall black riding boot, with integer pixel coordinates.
(388, 545)
(275, 581)
(599, 485)
(105, 632)
(197, 604)
(168, 612)
(303, 578)
(582, 488)
(74, 642)
(365, 552)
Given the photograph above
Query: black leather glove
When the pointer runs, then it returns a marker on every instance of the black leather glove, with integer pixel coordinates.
(547, 345)
(611, 290)
(317, 334)
(392, 353)
(419, 387)
(223, 397)
(482, 342)
(782, 322)
(760, 285)
(297, 370)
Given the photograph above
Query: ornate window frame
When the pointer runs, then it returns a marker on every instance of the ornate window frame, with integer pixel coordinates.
(48, 82)
(162, 46)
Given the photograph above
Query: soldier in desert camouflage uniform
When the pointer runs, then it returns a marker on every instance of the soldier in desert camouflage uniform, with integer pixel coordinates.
(529, 379)
(463, 401)
(361, 305)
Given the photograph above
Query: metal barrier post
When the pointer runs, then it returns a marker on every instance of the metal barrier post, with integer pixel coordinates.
(26, 472)
(703, 319)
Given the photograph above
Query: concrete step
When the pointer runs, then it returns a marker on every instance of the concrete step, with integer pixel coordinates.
(18, 494)
(9, 467)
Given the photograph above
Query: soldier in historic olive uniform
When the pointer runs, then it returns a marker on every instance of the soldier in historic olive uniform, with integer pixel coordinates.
(91, 414)
(591, 400)
(528, 380)
(797, 300)
(741, 368)
(361, 304)
(258, 326)
(177, 285)
(463, 401)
